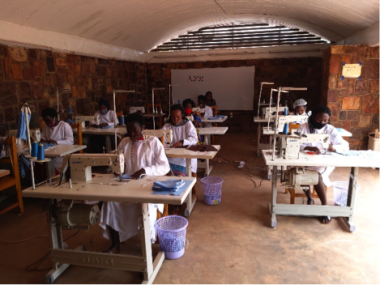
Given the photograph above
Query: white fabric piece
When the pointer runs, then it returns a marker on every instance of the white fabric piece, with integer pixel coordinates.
(207, 114)
(188, 134)
(62, 133)
(123, 217)
(108, 118)
(338, 142)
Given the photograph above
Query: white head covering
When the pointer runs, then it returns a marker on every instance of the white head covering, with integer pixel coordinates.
(299, 102)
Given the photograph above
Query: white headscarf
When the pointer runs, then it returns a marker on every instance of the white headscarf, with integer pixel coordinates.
(299, 102)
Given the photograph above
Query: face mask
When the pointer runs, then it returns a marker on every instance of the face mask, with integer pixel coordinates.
(188, 111)
(104, 111)
(316, 125)
(52, 125)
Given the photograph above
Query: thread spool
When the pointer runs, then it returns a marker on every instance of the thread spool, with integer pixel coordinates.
(34, 149)
(286, 126)
(122, 120)
(41, 152)
(69, 109)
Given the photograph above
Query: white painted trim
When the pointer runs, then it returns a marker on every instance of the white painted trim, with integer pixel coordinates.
(368, 36)
(237, 54)
(12, 34)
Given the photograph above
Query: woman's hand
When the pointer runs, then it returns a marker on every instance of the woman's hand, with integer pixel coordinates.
(331, 147)
(53, 142)
(178, 144)
(137, 174)
(313, 148)
(104, 125)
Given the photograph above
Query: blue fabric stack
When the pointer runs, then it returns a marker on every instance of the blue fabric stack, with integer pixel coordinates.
(169, 185)
(216, 117)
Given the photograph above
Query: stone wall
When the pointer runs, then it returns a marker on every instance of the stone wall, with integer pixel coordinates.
(354, 103)
(32, 75)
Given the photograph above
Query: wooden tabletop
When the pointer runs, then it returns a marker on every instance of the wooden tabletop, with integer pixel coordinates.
(104, 132)
(330, 159)
(213, 131)
(105, 187)
(63, 149)
(184, 153)
(206, 120)
(4, 172)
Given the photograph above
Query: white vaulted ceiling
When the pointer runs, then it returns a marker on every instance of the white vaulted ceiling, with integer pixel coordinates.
(140, 25)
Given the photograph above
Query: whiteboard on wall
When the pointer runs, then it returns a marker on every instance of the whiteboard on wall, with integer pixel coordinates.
(232, 87)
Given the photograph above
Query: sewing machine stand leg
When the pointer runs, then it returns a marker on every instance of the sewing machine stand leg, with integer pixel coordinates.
(190, 202)
(258, 152)
(351, 197)
(272, 206)
(62, 258)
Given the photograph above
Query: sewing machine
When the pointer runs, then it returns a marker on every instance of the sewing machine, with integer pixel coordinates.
(289, 145)
(166, 134)
(80, 164)
(135, 109)
(35, 135)
(282, 120)
(83, 119)
(267, 112)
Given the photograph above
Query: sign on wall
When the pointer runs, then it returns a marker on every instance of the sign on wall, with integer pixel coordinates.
(232, 87)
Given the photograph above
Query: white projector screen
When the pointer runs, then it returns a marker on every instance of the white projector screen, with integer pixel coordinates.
(232, 87)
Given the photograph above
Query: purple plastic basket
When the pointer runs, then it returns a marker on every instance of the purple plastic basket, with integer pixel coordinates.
(171, 231)
(212, 190)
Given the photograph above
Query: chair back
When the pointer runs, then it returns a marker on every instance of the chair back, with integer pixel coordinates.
(79, 139)
(293, 126)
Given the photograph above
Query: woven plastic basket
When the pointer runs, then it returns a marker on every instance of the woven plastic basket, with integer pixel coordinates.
(171, 231)
(212, 190)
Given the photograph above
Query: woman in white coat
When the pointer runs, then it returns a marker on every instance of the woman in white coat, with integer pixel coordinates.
(142, 156)
(318, 124)
(56, 132)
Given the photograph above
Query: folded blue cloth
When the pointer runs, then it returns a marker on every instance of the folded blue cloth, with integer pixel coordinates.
(69, 121)
(126, 176)
(48, 145)
(216, 117)
(179, 191)
(21, 130)
(171, 184)
(106, 127)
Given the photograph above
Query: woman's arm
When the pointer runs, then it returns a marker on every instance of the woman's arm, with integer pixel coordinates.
(68, 135)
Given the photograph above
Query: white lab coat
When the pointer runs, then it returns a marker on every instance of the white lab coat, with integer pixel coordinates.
(107, 118)
(188, 134)
(338, 143)
(123, 217)
(207, 114)
(62, 134)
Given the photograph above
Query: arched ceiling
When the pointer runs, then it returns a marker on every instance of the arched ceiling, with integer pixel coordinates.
(143, 24)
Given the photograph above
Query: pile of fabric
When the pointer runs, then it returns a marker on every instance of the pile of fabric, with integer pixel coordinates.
(171, 185)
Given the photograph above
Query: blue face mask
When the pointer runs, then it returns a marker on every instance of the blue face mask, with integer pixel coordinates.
(104, 111)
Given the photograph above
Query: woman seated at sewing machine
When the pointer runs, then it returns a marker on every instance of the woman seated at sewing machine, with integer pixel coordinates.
(106, 116)
(142, 155)
(206, 111)
(55, 132)
(209, 100)
(318, 124)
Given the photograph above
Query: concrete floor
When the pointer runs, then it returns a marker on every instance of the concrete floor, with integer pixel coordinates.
(228, 243)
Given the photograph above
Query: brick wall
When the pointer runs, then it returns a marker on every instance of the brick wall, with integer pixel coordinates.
(354, 103)
(298, 72)
(32, 75)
